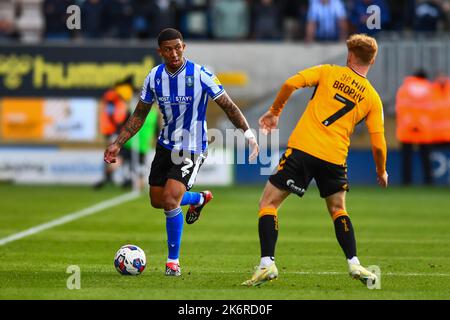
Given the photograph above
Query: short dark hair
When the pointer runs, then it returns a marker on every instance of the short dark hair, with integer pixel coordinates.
(169, 34)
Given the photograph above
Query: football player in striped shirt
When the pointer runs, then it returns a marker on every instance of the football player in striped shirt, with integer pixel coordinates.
(318, 147)
(181, 88)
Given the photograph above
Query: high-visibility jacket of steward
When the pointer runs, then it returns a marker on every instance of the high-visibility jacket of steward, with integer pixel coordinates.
(441, 119)
(113, 113)
(415, 106)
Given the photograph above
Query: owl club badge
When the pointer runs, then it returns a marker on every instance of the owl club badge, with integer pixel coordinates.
(190, 81)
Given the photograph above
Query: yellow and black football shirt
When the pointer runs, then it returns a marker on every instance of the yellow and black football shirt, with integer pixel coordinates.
(342, 98)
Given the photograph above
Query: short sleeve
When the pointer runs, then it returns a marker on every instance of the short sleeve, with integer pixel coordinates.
(147, 95)
(375, 117)
(312, 75)
(312, 13)
(211, 83)
(340, 9)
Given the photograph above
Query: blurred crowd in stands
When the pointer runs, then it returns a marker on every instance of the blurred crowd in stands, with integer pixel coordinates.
(308, 20)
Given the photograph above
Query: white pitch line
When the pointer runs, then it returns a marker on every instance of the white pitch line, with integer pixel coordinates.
(71, 217)
(396, 274)
(386, 274)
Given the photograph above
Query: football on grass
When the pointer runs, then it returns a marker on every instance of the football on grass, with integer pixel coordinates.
(130, 260)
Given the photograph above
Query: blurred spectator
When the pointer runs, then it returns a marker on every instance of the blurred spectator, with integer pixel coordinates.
(142, 18)
(139, 146)
(7, 19)
(55, 19)
(113, 115)
(401, 12)
(441, 121)
(446, 8)
(414, 109)
(194, 21)
(94, 18)
(428, 15)
(163, 15)
(294, 19)
(266, 20)
(326, 21)
(230, 19)
(358, 15)
(120, 16)
(152, 16)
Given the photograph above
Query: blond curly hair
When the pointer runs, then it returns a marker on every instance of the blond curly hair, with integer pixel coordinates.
(365, 48)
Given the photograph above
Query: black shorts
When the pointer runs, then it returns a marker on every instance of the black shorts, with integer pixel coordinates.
(177, 165)
(296, 169)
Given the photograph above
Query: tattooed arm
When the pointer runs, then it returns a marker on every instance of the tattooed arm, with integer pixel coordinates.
(232, 111)
(132, 126)
(237, 118)
(134, 123)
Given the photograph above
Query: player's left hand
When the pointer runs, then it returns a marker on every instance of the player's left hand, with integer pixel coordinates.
(255, 149)
(268, 122)
(383, 179)
(111, 153)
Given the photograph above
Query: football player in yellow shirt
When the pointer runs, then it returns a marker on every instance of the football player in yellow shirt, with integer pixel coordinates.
(318, 147)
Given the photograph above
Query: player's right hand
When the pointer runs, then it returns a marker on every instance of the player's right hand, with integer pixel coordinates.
(111, 153)
(268, 122)
(254, 147)
(383, 179)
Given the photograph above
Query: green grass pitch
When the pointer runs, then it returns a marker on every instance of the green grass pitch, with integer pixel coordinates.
(405, 231)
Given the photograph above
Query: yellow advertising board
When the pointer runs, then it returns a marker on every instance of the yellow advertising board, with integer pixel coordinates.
(52, 119)
(22, 119)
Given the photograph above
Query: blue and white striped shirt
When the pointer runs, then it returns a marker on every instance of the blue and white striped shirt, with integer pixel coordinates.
(182, 98)
(326, 16)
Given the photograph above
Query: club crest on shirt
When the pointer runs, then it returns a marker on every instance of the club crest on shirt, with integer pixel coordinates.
(189, 81)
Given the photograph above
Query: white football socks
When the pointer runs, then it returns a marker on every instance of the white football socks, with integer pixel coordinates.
(202, 199)
(173, 261)
(266, 261)
(353, 260)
